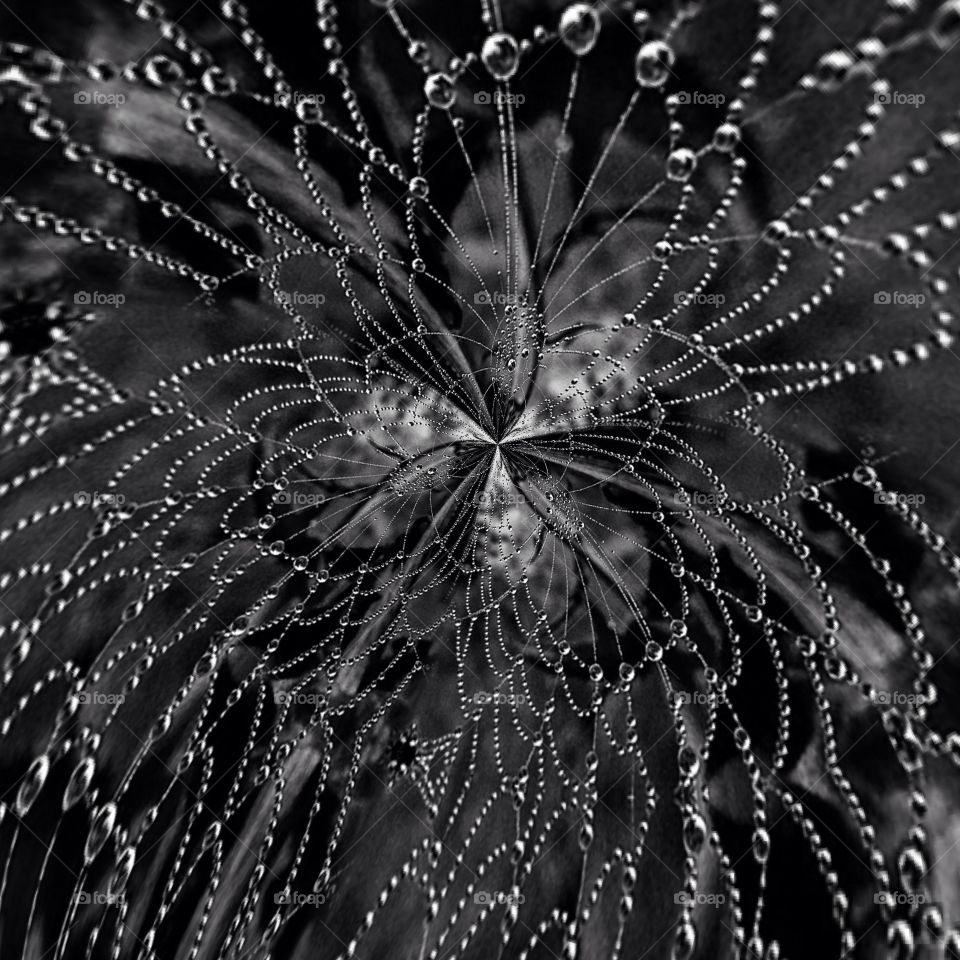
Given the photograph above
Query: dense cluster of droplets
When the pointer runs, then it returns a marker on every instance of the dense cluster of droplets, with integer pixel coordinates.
(420, 494)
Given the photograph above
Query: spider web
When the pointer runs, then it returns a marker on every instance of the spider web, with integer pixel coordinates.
(468, 588)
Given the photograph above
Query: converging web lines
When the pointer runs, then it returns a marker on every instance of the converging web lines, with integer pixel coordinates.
(428, 538)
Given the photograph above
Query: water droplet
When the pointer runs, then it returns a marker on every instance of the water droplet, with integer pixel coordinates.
(653, 63)
(685, 942)
(100, 829)
(726, 137)
(680, 164)
(217, 83)
(946, 24)
(761, 845)
(832, 68)
(308, 110)
(32, 784)
(79, 782)
(160, 70)
(951, 946)
(122, 871)
(579, 27)
(586, 836)
(440, 91)
(500, 55)
(694, 833)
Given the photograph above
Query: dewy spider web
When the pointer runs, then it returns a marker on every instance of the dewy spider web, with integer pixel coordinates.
(459, 588)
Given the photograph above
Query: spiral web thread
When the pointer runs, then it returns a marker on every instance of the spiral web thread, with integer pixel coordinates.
(461, 492)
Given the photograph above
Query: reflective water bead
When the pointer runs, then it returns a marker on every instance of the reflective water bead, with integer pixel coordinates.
(946, 24)
(500, 55)
(653, 63)
(726, 137)
(32, 784)
(79, 782)
(680, 164)
(761, 845)
(101, 826)
(579, 27)
(694, 833)
(440, 91)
